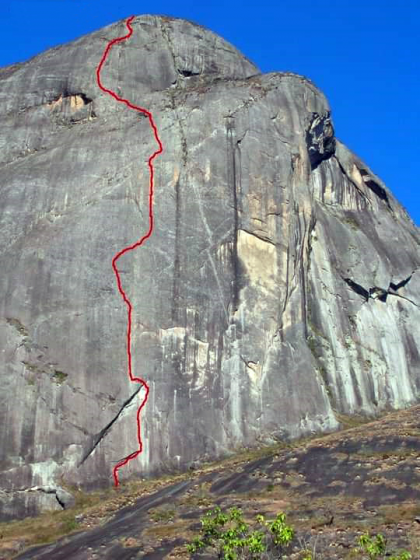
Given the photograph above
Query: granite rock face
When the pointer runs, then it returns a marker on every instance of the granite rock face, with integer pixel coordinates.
(280, 287)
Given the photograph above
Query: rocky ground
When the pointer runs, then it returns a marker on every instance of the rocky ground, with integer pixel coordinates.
(332, 489)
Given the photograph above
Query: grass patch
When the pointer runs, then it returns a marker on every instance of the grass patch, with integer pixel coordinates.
(129, 542)
(31, 367)
(18, 326)
(414, 546)
(354, 224)
(317, 331)
(178, 529)
(353, 421)
(50, 526)
(394, 514)
(162, 513)
(313, 346)
(396, 453)
(199, 497)
(41, 530)
(59, 376)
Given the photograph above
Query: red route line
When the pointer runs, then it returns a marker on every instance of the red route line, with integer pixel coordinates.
(134, 245)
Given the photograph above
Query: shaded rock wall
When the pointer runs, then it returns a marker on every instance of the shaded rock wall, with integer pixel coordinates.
(279, 288)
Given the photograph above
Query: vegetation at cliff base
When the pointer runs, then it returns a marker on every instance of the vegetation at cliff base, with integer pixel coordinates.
(231, 538)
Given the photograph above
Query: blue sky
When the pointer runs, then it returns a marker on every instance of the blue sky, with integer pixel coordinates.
(364, 55)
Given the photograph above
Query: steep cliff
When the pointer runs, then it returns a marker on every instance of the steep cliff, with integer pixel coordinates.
(279, 288)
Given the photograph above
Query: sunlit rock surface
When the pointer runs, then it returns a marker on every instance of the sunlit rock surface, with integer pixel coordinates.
(280, 286)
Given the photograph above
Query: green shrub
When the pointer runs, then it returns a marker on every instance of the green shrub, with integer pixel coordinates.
(231, 536)
(59, 376)
(233, 539)
(375, 548)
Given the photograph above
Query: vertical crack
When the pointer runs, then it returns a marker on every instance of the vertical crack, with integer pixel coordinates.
(232, 182)
(62, 504)
(184, 147)
(166, 36)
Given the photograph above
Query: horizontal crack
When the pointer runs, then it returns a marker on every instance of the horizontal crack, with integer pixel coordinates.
(43, 489)
(260, 237)
(380, 293)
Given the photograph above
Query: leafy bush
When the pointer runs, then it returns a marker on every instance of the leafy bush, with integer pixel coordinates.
(375, 548)
(233, 539)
